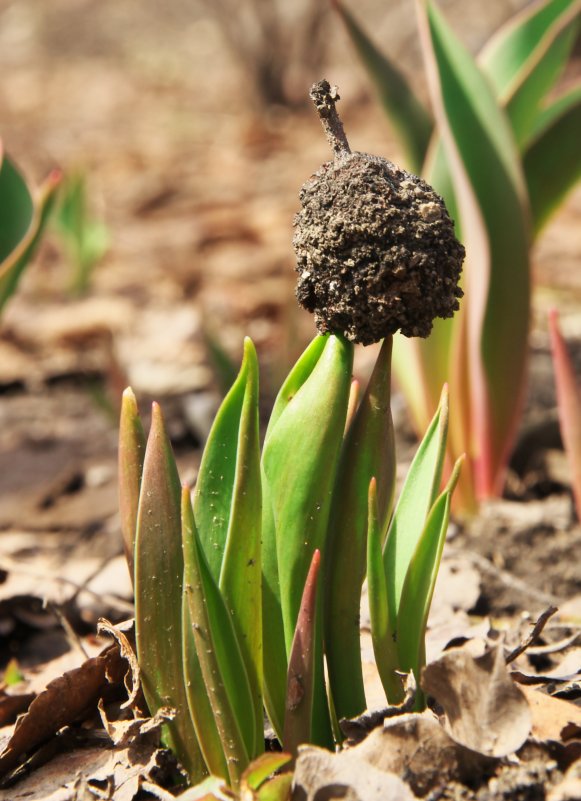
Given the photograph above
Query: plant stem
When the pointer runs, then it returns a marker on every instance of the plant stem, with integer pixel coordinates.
(324, 96)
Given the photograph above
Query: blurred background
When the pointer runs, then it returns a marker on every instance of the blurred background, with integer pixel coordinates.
(187, 127)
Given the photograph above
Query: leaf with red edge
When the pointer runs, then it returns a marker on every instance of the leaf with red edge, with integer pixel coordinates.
(159, 570)
(569, 402)
(301, 666)
(490, 189)
(131, 452)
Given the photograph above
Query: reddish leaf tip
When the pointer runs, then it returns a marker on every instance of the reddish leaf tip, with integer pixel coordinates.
(316, 560)
(55, 176)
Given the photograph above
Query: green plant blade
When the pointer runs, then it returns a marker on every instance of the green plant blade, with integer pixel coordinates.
(241, 576)
(491, 194)
(131, 452)
(420, 580)
(199, 704)
(159, 571)
(368, 450)
(524, 59)
(218, 651)
(227, 509)
(301, 666)
(308, 464)
(303, 374)
(17, 206)
(569, 403)
(417, 497)
(300, 372)
(410, 119)
(384, 646)
(221, 466)
(261, 768)
(85, 238)
(505, 57)
(276, 789)
(552, 162)
(22, 220)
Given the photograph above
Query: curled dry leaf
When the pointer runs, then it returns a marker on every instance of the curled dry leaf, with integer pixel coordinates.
(485, 710)
(124, 732)
(66, 699)
(124, 636)
(416, 746)
(568, 670)
(320, 774)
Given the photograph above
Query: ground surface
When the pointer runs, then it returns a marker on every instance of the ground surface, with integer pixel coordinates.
(198, 186)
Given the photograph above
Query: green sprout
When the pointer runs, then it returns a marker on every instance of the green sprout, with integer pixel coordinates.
(85, 238)
(247, 588)
(500, 144)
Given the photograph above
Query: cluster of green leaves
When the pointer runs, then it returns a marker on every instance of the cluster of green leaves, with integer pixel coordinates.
(22, 220)
(502, 148)
(242, 594)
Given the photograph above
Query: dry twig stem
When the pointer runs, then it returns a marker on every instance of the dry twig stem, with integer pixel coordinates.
(534, 635)
(324, 96)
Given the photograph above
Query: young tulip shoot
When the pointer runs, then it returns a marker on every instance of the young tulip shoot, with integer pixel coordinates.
(242, 595)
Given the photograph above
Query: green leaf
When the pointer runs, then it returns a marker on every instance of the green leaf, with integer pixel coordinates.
(275, 648)
(212, 788)
(526, 56)
(85, 238)
(301, 667)
(199, 704)
(17, 207)
(227, 509)
(301, 452)
(22, 220)
(296, 378)
(368, 450)
(159, 571)
(492, 198)
(420, 580)
(417, 496)
(411, 120)
(552, 162)
(131, 452)
(224, 368)
(384, 646)
(261, 768)
(277, 789)
(218, 651)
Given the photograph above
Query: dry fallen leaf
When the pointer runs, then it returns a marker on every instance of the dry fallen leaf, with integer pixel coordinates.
(322, 775)
(485, 710)
(417, 746)
(72, 775)
(66, 699)
(552, 718)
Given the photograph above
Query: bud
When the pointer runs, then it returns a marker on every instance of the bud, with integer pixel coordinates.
(375, 245)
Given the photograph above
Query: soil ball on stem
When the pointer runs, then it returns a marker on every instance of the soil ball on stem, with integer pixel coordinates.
(376, 249)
